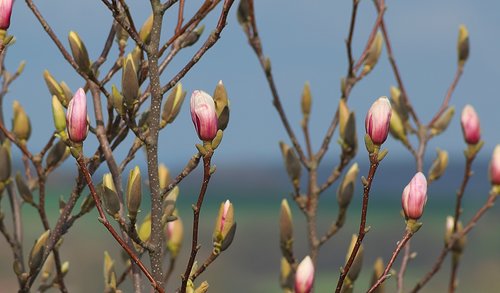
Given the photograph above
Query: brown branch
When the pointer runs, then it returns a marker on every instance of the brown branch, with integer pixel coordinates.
(406, 237)
(362, 225)
(196, 218)
(180, 17)
(447, 98)
(402, 269)
(210, 259)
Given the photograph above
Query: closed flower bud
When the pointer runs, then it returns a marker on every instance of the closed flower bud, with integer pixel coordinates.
(145, 229)
(495, 166)
(175, 233)
(357, 264)
(58, 115)
(5, 163)
(470, 125)
(378, 270)
(130, 83)
(292, 163)
(109, 273)
(343, 117)
(443, 121)
(23, 189)
(286, 228)
(79, 51)
(134, 193)
(5, 12)
(109, 196)
(57, 154)
(76, 117)
(224, 222)
(346, 188)
(54, 88)
(373, 53)
(463, 45)
(304, 276)
(378, 120)
(306, 100)
(203, 115)
(117, 100)
(145, 31)
(21, 126)
(459, 244)
(438, 166)
(35, 258)
(414, 197)
(173, 105)
(221, 105)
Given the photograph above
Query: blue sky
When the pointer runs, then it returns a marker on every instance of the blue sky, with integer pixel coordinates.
(305, 41)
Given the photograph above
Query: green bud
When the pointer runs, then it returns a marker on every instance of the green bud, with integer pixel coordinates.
(164, 176)
(173, 105)
(134, 193)
(35, 258)
(20, 68)
(443, 121)
(79, 51)
(224, 222)
(378, 270)
(438, 165)
(286, 275)
(21, 126)
(203, 288)
(23, 189)
(109, 196)
(87, 205)
(221, 105)
(190, 38)
(346, 188)
(292, 163)
(306, 101)
(169, 204)
(350, 138)
(217, 139)
(286, 229)
(55, 89)
(109, 273)
(5, 162)
(57, 154)
(137, 57)
(459, 245)
(117, 101)
(343, 117)
(398, 104)
(397, 127)
(373, 53)
(145, 31)
(68, 94)
(47, 268)
(145, 229)
(58, 115)
(463, 45)
(130, 83)
(358, 260)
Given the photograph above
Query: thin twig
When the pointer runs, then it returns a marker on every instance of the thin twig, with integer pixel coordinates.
(447, 98)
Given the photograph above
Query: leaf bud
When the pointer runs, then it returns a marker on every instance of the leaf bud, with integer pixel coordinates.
(203, 288)
(57, 154)
(54, 88)
(79, 51)
(130, 83)
(23, 189)
(58, 115)
(117, 101)
(173, 105)
(134, 193)
(21, 126)
(164, 176)
(145, 229)
(373, 53)
(378, 270)
(286, 229)
(286, 275)
(358, 260)
(109, 196)
(463, 45)
(292, 163)
(5, 162)
(109, 272)
(443, 121)
(35, 257)
(346, 188)
(459, 244)
(438, 165)
(221, 105)
(306, 101)
(145, 31)
(397, 127)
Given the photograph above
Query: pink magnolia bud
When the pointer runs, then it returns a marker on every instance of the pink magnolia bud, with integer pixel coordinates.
(470, 125)
(204, 115)
(76, 117)
(378, 120)
(227, 204)
(5, 12)
(415, 196)
(495, 166)
(304, 276)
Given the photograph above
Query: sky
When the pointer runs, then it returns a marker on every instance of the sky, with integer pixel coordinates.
(305, 41)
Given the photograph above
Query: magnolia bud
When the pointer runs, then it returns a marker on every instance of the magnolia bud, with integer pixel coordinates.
(109, 273)
(5, 12)
(470, 125)
(35, 258)
(398, 103)
(58, 115)
(117, 100)
(21, 126)
(286, 229)
(164, 176)
(190, 38)
(110, 198)
(224, 222)
(304, 276)
(414, 197)
(23, 189)
(495, 166)
(397, 127)
(373, 53)
(203, 288)
(343, 116)
(378, 270)
(221, 105)
(306, 100)
(463, 45)
(286, 275)
(292, 163)
(175, 232)
(173, 105)
(134, 193)
(130, 83)
(145, 31)
(459, 245)
(5, 163)
(145, 229)
(57, 154)
(378, 120)
(204, 115)
(76, 117)
(346, 188)
(438, 166)
(357, 264)
(79, 51)
(443, 121)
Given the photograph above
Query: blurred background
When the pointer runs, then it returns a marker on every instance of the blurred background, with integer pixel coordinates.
(305, 41)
